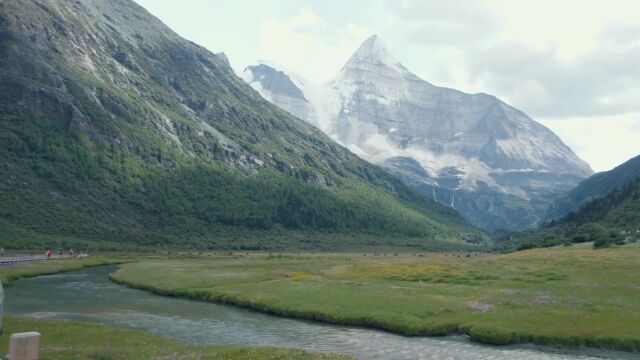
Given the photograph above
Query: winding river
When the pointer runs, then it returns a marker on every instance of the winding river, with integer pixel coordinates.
(88, 295)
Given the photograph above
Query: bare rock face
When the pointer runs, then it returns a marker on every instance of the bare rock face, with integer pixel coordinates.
(498, 167)
(280, 88)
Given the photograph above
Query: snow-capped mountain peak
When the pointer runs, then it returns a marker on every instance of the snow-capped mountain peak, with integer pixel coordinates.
(487, 159)
(373, 53)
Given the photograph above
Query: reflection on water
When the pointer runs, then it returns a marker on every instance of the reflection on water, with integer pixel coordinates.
(89, 295)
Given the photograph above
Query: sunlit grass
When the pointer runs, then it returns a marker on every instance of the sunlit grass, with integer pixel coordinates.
(574, 297)
(65, 340)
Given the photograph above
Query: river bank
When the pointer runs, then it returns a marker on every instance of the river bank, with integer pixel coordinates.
(89, 296)
(9, 273)
(63, 340)
(577, 298)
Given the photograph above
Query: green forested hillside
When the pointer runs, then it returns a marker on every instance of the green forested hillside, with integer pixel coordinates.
(607, 221)
(594, 187)
(114, 130)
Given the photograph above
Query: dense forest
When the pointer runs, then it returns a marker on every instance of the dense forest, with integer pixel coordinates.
(58, 183)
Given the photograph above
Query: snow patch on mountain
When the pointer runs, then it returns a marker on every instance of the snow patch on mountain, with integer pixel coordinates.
(471, 142)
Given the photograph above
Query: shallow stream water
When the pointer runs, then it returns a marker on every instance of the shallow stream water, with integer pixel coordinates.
(88, 295)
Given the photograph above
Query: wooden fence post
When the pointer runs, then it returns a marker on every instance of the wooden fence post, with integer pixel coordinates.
(24, 346)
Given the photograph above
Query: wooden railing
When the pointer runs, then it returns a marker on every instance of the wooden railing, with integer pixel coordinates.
(11, 260)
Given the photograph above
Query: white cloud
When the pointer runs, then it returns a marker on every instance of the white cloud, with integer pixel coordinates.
(605, 81)
(452, 23)
(605, 141)
(572, 63)
(305, 42)
(549, 58)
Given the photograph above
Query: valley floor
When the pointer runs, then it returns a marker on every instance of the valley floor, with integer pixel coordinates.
(565, 297)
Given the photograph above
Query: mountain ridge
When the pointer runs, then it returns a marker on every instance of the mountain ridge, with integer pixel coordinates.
(603, 209)
(610, 220)
(380, 110)
(115, 128)
(594, 187)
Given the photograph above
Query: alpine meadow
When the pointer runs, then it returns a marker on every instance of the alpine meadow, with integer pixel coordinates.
(308, 180)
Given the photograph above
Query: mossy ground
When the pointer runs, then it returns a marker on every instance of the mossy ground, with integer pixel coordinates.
(67, 340)
(567, 297)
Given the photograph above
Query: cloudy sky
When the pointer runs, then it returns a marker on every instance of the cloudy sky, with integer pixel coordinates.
(572, 65)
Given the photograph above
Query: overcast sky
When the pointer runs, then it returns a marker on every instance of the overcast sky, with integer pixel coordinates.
(572, 65)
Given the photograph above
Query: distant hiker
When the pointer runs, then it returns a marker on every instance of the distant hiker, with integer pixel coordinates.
(48, 254)
(2, 252)
(70, 252)
(60, 252)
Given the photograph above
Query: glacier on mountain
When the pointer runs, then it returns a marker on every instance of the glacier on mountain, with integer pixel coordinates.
(490, 161)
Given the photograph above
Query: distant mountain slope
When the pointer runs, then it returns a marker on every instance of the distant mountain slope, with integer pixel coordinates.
(619, 209)
(594, 187)
(112, 127)
(482, 206)
(491, 162)
(613, 219)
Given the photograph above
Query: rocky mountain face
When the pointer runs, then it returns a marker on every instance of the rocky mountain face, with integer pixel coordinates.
(279, 88)
(472, 152)
(594, 187)
(112, 127)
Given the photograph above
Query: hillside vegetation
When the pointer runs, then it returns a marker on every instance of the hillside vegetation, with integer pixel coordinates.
(613, 220)
(117, 133)
(596, 186)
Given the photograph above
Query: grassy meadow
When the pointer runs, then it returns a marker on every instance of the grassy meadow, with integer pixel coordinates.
(567, 297)
(65, 340)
